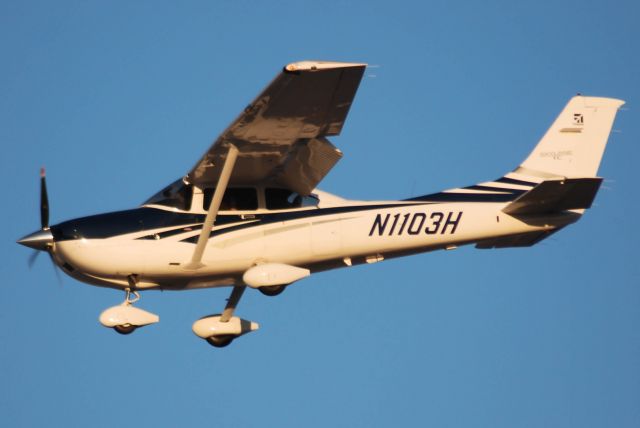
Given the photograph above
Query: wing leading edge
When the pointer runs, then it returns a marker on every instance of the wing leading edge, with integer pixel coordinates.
(281, 135)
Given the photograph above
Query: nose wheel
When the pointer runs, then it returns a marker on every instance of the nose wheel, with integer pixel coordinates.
(125, 318)
(125, 329)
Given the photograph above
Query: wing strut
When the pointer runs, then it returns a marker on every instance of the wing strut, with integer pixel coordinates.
(221, 187)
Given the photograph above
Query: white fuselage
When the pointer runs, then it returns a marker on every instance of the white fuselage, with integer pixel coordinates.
(314, 238)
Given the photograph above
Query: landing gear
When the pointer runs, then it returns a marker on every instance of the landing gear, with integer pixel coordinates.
(272, 290)
(220, 341)
(127, 298)
(125, 318)
(220, 330)
(124, 329)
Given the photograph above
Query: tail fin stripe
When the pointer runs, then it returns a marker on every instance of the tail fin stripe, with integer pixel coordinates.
(466, 197)
(495, 189)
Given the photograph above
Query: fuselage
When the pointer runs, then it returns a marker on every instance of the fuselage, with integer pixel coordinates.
(155, 243)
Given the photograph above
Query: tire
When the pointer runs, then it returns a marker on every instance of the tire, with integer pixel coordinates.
(220, 341)
(125, 329)
(272, 290)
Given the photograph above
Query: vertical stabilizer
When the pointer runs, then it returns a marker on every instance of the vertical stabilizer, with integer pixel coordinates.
(574, 145)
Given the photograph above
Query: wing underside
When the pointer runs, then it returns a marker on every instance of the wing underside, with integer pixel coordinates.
(281, 135)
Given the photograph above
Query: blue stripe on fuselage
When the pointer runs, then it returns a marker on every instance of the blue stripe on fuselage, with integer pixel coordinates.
(144, 219)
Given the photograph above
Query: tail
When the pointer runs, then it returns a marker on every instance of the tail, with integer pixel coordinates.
(574, 145)
(565, 162)
(558, 180)
(560, 173)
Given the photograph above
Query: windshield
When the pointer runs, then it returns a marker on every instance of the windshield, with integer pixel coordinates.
(176, 195)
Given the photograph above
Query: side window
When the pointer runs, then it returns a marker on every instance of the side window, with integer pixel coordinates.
(234, 199)
(279, 199)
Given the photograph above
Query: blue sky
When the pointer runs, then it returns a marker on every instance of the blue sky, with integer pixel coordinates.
(118, 99)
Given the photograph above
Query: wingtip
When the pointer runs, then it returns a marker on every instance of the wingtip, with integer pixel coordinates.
(320, 65)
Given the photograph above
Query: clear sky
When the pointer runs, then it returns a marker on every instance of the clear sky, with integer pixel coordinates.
(118, 99)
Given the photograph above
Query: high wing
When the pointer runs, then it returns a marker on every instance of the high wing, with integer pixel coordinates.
(281, 135)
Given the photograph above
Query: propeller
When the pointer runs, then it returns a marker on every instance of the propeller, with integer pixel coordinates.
(42, 240)
(32, 258)
(44, 201)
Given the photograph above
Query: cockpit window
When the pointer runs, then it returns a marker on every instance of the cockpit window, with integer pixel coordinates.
(176, 195)
(280, 199)
(234, 199)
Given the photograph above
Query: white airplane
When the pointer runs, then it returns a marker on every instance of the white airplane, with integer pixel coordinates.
(249, 215)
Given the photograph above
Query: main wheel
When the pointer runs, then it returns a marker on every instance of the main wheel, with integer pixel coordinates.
(272, 290)
(125, 329)
(220, 341)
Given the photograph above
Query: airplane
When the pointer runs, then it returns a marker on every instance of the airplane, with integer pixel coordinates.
(249, 214)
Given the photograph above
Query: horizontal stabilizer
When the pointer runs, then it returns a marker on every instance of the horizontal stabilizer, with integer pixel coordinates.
(519, 240)
(552, 196)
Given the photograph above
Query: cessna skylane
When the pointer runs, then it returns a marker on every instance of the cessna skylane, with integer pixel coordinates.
(249, 214)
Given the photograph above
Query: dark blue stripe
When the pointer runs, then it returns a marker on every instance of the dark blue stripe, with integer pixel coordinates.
(171, 232)
(146, 219)
(266, 219)
(496, 189)
(514, 181)
(466, 197)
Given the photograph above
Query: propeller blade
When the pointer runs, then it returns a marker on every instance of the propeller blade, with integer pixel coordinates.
(44, 201)
(32, 258)
(55, 268)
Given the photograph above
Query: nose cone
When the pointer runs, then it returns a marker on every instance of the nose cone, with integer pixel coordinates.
(40, 240)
